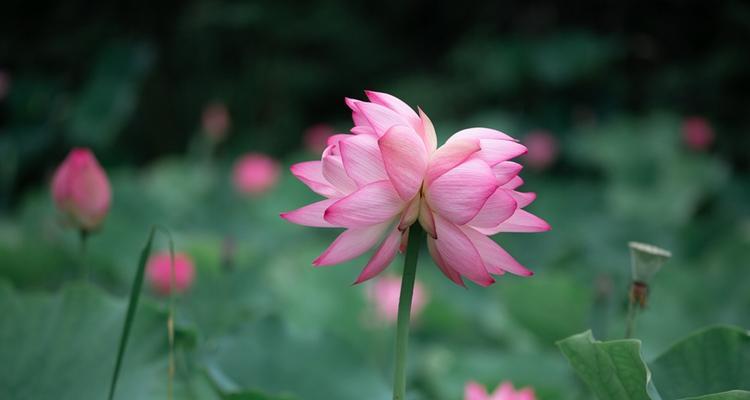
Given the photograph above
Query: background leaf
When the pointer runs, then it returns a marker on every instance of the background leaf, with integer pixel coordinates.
(62, 346)
(613, 370)
(709, 361)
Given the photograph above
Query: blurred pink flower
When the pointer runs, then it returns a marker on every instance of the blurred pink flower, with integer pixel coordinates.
(255, 173)
(697, 133)
(4, 84)
(81, 190)
(216, 121)
(385, 294)
(158, 271)
(389, 173)
(543, 149)
(475, 391)
(316, 137)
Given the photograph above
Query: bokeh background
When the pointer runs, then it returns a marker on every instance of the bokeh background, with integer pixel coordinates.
(635, 114)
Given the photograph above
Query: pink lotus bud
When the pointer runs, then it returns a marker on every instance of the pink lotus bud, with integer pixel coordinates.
(255, 173)
(158, 271)
(543, 149)
(216, 121)
(697, 133)
(316, 137)
(385, 294)
(475, 391)
(81, 190)
(4, 84)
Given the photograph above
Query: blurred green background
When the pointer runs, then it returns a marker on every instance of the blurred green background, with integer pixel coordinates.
(618, 85)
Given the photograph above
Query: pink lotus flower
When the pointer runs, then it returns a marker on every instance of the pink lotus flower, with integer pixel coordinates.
(389, 173)
(385, 293)
(505, 391)
(316, 137)
(697, 133)
(255, 173)
(543, 149)
(81, 191)
(158, 271)
(216, 121)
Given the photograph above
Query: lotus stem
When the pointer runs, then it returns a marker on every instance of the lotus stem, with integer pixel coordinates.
(404, 310)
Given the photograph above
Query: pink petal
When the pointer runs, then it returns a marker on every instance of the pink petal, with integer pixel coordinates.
(404, 240)
(310, 215)
(498, 207)
(357, 116)
(371, 204)
(363, 130)
(525, 394)
(405, 160)
(479, 133)
(361, 159)
(426, 219)
(410, 214)
(495, 258)
(520, 221)
(460, 193)
(428, 132)
(504, 392)
(513, 183)
(335, 174)
(458, 252)
(449, 272)
(351, 244)
(311, 174)
(475, 391)
(522, 198)
(380, 117)
(397, 105)
(335, 139)
(496, 151)
(448, 156)
(383, 256)
(505, 171)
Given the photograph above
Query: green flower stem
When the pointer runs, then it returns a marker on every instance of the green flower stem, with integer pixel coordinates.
(636, 299)
(630, 322)
(84, 235)
(404, 309)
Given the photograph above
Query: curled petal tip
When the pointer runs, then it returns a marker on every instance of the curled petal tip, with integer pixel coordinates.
(360, 279)
(318, 261)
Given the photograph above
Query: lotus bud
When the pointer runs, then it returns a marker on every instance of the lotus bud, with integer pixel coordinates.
(81, 191)
(255, 173)
(159, 274)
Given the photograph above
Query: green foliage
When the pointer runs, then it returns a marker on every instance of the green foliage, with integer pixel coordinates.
(270, 356)
(62, 346)
(731, 395)
(135, 293)
(561, 307)
(107, 101)
(709, 364)
(710, 361)
(613, 370)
